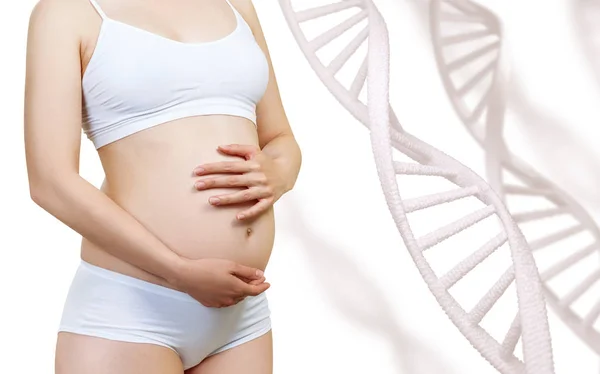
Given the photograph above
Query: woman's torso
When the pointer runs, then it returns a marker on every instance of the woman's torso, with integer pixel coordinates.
(149, 172)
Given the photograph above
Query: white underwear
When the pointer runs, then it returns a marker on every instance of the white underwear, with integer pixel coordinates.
(115, 306)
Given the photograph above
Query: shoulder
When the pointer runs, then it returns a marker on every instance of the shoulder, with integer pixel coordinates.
(54, 11)
(59, 16)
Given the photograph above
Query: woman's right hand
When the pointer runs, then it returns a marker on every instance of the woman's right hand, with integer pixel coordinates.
(218, 282)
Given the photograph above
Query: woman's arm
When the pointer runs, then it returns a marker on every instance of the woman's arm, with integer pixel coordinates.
(52, 142)
(272, 168)
(52, 145)
(275, 135)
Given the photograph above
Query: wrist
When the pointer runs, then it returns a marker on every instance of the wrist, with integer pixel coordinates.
(175, 271)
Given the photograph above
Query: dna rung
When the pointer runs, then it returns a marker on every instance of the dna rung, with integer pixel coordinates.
(423, 202)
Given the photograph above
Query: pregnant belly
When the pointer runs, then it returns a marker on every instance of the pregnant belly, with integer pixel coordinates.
(149, 174)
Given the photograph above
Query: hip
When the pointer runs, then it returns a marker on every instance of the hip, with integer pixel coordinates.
(114, 306)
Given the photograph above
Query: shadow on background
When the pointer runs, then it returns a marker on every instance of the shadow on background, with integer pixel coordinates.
(563, 151)
(354, 295)
(586, 23)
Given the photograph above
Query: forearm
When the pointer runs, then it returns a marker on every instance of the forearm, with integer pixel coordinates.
(286, 154)
(91, 213)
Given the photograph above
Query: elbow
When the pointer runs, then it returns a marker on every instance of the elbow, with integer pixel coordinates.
(35, 195)
(297, 166)
(298, 157)
(45, 191)
(38, 193)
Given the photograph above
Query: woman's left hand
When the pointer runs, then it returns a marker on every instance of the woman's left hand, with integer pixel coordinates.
(258, 172)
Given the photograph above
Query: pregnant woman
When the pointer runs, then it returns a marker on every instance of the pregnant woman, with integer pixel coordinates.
(180, 100)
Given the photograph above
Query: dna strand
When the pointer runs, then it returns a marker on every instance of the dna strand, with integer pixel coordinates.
(474, 82)
(529, 323)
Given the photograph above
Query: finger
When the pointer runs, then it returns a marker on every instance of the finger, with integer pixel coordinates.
(254, 290)
(243, 150)
(257, 281)
(246, 272)
(250, 194)
(256, 209)
(225, 167)
(244, 180)
(253, 281)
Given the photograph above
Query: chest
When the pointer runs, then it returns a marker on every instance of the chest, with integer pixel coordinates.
(131, 65)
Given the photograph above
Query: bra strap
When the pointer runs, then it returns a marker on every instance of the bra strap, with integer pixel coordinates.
(98, 9)
(233, 9)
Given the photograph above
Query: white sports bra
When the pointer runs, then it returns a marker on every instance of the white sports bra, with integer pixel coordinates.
(136, 79)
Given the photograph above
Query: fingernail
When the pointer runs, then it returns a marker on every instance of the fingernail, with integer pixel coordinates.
(214, 200)
(198, 171)
(259, 273)
(241, 216)
(200, 184)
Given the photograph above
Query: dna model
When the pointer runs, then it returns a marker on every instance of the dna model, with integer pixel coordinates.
(474, 83)
(390, 142)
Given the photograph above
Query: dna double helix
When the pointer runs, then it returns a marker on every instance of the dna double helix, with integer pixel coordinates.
(485, 121)
(364, 92)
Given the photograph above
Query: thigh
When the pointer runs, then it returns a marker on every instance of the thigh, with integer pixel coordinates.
(253, 357)
(82, 354)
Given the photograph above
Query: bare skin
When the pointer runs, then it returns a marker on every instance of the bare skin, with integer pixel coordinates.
(145, 175)
(150, 221)
(151, 171)
(91, 355)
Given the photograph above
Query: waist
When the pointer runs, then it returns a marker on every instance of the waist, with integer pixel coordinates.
(149, 174)
(189, 225)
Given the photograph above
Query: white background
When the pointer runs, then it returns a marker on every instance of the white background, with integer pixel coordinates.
(346, 296)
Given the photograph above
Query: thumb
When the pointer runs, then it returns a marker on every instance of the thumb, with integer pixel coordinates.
(247, 272)
(252, 281)
(242, 150)
(257, 281)
(256, 289)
